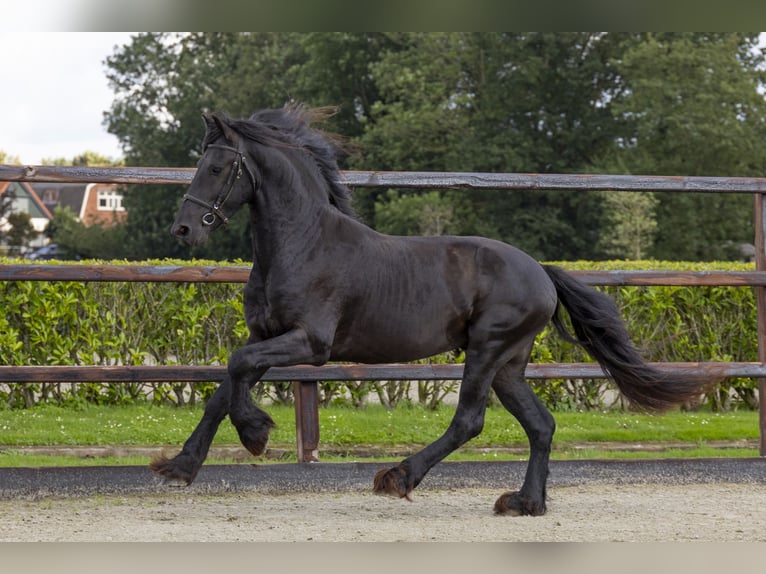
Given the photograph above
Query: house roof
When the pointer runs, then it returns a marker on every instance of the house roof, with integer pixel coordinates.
(80, 198)
(24, 190)
(67, 195)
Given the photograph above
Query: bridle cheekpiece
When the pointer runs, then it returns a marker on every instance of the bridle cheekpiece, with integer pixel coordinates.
(234, 175)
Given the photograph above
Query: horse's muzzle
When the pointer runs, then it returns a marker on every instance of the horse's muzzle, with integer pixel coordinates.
(188, 235)
(180, 231)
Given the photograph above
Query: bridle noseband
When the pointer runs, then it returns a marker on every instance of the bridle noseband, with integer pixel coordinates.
(234, 175)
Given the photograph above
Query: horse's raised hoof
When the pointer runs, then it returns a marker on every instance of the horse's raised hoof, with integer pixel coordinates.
(392, 482)
(182, 469)
(516, 504)
(254, 432)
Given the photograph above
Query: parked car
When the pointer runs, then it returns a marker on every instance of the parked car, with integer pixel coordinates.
(50, 251)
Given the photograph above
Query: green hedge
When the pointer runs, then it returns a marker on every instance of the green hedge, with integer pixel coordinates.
(77, 323)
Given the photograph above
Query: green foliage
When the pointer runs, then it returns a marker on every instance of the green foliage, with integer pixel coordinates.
(6, 158)
(418, 214)
(21, 231)
(426, 213)
(631, 224)
(86, 241)
(374, 433)
(63, 323)
(85, 159)
(577, 102)
(693, 107)
(499, 102)
(76, 323)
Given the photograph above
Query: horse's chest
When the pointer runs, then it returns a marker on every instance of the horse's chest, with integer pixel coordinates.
(267, 314)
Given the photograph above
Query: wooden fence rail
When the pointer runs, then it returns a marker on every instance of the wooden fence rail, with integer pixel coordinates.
(382, 372)
(404, 179)
(305, 377)
(237, 274)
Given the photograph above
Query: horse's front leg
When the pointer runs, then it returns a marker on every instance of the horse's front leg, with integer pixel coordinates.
(183, 467)
(248, 364)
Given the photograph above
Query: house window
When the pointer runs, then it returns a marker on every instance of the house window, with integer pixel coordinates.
(50, 195)
(109, 200)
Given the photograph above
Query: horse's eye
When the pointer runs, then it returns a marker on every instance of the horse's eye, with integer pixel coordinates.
(215, 170)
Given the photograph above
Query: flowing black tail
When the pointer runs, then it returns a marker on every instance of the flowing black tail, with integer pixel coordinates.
(599, 329)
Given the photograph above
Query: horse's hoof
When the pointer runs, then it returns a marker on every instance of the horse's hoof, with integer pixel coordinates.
(392, 482)
(255, 436)
(516, 504)
(177, 471)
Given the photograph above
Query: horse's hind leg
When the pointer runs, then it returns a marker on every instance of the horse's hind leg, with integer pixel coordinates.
(467, 423)
(516, 395)
(483, 359)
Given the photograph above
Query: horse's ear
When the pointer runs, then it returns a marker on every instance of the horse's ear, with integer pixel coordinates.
(220, 122)
(208, 121)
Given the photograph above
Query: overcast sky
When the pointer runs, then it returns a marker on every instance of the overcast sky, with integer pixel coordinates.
(53, 99)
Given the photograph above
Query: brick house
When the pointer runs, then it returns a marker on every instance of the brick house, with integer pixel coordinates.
(92, 203)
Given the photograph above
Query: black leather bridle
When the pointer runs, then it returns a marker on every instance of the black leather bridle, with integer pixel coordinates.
(236, 172)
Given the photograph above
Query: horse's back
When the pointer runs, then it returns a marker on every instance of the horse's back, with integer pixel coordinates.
(418, 296)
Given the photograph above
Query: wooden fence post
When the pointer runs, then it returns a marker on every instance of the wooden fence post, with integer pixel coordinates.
(307, 420)
(760, 298)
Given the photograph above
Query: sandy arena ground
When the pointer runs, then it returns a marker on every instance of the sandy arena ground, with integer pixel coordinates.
(598, 512)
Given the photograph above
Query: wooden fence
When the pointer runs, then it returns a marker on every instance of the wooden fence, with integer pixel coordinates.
(305, 378)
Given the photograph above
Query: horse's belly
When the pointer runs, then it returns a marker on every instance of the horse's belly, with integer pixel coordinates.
(398, 342)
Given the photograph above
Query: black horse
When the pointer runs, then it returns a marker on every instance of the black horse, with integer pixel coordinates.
(325, 287)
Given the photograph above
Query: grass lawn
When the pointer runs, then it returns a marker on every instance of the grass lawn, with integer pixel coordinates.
(375, 433)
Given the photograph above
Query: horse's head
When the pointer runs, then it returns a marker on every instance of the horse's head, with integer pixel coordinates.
(218, 189)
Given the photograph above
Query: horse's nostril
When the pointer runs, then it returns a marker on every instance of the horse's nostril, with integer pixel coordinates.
(181, 231)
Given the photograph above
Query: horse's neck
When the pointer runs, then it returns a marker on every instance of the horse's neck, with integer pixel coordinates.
(289, 216)
(284, 233)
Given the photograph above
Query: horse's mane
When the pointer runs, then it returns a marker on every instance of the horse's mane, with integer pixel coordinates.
(291, 126)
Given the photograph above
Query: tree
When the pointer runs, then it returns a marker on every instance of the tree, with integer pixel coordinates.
(417, 214)
(85, 159)
(337, 70)
(21, 231)
(504, 102)
(86, 241)
(500, 102)
(6, 158)
(630, 225)
(6, 203)
(163, 82)
(147, 116)
(694, 108)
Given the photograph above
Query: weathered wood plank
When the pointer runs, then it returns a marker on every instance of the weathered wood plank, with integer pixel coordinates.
(672, 278)
(239, 274)
(123, 273)
(133, 374)
(422, 180)
(74, 174)
(760, 302)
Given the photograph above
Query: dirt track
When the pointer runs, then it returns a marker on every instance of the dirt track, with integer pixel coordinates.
(712, 500)
(700, 512)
